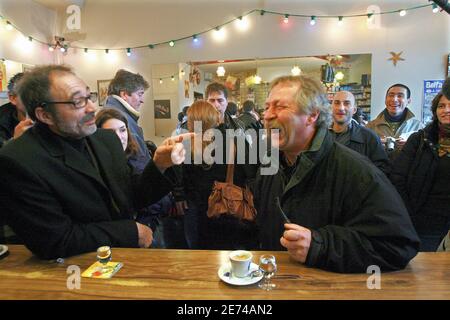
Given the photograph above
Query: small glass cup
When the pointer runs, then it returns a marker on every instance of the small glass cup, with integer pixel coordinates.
(104, 255)
(268, 266)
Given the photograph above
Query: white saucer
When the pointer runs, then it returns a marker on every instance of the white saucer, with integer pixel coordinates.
(238, 281)
(3, 249)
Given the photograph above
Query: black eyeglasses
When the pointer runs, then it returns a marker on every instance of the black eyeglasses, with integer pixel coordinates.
(78, 103)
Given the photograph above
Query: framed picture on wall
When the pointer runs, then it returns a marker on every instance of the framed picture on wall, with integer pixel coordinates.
(448, 66)
(162, 109)
(102, 86)
(186, 89)
(3, 80)
(27, 67)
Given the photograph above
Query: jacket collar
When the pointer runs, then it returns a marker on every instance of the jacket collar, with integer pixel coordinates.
(120, 104)
(127, 106)
(380, 119)
(307, 159)
(57, 147)
(355, 133)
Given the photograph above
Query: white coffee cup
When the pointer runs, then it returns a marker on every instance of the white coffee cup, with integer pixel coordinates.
(240, 263)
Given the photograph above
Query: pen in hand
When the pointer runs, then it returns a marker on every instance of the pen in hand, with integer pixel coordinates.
(285, 218)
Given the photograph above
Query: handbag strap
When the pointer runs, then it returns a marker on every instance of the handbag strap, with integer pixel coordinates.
(230, 166)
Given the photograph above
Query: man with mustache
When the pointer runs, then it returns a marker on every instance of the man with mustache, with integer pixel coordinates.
(344, 214)
(396, 120)
(349, 133)
(66, 187)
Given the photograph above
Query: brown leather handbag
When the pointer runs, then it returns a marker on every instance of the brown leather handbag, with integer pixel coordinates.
(229, 199)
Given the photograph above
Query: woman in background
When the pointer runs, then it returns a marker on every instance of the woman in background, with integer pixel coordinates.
(421, 174)
(114, 120)
(225, 232)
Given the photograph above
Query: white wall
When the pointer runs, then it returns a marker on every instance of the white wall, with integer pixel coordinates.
(32, 19)
(360, 66)
(423, 37)
(168, 90)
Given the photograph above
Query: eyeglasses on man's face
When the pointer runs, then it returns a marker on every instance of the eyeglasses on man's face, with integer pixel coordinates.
(78, 103)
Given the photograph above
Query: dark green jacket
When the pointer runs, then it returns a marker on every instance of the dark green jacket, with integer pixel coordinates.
(367, 143)
(356, 216)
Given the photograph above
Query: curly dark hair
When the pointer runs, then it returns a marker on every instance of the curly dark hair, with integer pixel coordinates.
(248, 106)
(12, 83)
(232, 108)
(34, 87)
(216, 87)
(434, 104)
(127, 81)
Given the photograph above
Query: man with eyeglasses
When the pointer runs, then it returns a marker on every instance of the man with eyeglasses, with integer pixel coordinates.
(66, 187)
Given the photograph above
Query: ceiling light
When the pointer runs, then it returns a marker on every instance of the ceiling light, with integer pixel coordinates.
(339, 76)
(296, 71)
(220, 71)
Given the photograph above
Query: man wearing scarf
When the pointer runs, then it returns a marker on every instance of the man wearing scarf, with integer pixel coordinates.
(396, 120)
(126, 94)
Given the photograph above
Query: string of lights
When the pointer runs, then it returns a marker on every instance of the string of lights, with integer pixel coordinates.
(64, 47)
(195, 37)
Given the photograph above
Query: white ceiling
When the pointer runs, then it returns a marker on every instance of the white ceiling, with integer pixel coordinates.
(59, 4)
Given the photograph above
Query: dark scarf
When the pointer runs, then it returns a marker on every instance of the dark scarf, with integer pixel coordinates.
(444, 140)
(399, 118)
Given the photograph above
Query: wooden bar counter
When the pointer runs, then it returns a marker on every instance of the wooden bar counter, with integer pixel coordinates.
(192, 274)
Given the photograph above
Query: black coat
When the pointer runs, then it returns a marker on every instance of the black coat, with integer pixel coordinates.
(59, 205)
(249, 121)
(8, 122)
(356, 216)
(225, 232)
(418, 173)
(414, 168)
(367, 143)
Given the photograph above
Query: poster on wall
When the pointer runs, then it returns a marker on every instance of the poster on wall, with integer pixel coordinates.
(186, 89)
(102, 86)
(195, 76)
(448, 66)
(162, 109)
(3, 81)
(430, 89)
(27, 67)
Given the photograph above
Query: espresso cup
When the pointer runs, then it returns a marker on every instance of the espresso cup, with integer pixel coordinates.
(240, 263)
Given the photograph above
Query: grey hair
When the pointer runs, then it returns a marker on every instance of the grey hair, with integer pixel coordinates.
(311, 97)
